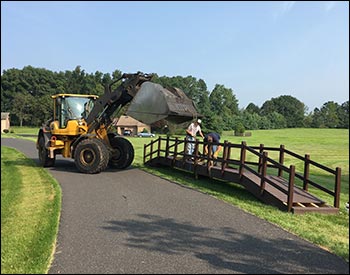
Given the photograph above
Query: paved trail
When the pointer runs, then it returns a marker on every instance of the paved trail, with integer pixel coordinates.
(133, 222)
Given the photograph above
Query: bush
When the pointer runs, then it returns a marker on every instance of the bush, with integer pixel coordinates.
(239, 128)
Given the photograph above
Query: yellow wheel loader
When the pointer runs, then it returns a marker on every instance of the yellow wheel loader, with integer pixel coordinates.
(80, 127)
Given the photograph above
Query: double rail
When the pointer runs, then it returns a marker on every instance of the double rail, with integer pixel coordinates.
(251, 163)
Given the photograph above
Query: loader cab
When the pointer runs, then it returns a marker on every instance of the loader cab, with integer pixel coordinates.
(69, 107)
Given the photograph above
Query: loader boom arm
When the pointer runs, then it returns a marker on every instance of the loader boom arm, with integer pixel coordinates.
(107, 104)
(150, 102)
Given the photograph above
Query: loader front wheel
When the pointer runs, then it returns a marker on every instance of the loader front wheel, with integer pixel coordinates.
(91, 156)
(122, 154)
(44, 159)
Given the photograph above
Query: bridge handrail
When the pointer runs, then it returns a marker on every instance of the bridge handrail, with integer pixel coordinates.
(264, 162)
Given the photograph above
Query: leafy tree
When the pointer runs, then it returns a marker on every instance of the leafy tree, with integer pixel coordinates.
(329, 113)
(264, 123)
(116, 74)
(252, 108)
(106, 79)
(203, 108)
(343, 115)
(22, 107)
(98, 76)
(75, 81)
(43, 109)
(219, 108)
(239, 128)
(250, 120)
(215, 124)
(277, 121)
(291, 108)
(308, 120)
(224, 104)
(317, 119)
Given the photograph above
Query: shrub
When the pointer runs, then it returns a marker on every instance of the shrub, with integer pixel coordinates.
(239, 128)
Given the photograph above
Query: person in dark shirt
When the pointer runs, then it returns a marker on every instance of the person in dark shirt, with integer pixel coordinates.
(216, 148)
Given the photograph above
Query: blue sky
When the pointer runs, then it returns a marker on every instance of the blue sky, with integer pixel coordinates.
(260, 50)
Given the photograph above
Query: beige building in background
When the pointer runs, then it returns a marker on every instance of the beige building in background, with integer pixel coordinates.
(129, 123)
(5, 121)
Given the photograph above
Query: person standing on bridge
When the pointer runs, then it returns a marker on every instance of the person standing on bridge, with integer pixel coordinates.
(212, 139)
(191, 133)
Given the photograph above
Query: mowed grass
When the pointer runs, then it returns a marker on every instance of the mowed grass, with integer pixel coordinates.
(329, 147)
(30, 207)
(24, 130)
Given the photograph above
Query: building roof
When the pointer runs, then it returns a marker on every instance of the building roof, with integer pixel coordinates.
(129, 121)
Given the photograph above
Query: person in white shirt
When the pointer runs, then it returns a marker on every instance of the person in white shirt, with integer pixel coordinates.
(191, 133)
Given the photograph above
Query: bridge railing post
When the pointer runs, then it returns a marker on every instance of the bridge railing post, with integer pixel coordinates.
(242, 158)
(281, 160)
(261, 150)
(224, 157)
(167, 147)
(196, 153)
(306, 172)
(175, 151)
(196, 149)
(151, 153)
(159, 143)
(263, 172)
(186, 144)
(291, 188)
(337, 187)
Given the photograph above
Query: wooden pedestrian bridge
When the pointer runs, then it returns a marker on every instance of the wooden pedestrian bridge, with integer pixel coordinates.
(267, 178)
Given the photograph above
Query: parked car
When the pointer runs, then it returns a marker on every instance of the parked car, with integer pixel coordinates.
(146, 135)
(127, 133)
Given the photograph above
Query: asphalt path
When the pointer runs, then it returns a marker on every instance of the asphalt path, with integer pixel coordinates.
(133, 222)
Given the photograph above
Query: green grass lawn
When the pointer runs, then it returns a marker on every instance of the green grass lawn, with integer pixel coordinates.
(24, 130)
(30, 209)
(329, 147)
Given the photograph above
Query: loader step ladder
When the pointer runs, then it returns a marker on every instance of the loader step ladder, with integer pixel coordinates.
(251, 167)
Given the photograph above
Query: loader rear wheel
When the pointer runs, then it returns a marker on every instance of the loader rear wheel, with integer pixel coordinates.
(43, 153)
(122, 153)
(91, 156)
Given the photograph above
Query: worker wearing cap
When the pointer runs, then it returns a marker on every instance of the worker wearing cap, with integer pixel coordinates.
(191, 133)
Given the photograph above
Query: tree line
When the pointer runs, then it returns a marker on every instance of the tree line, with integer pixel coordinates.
(26, 94)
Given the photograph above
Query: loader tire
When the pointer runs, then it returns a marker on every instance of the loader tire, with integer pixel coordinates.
(91, 156)
(122, 153)
(44, 159)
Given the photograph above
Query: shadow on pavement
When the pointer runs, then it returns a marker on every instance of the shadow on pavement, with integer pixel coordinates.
(225, 248)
